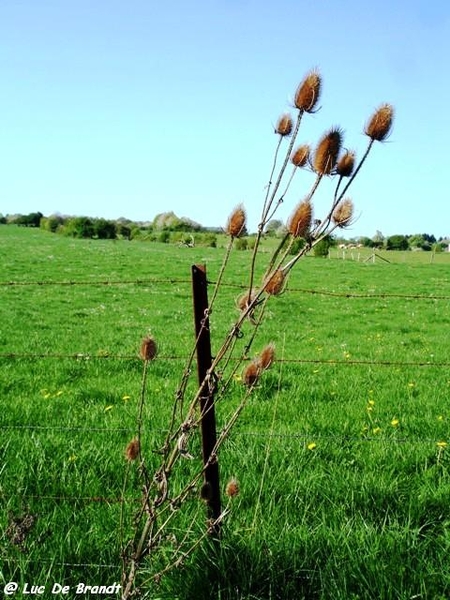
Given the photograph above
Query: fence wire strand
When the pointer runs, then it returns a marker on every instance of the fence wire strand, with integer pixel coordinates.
(239, 286)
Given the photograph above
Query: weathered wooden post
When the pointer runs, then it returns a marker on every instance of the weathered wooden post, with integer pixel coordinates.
(204, 361)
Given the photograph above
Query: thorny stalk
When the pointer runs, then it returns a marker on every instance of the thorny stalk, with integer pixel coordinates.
(270, 198)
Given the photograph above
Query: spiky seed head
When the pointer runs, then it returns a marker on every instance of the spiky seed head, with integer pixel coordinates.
(236, 222)
(346, 164)
(148, 348)
(380, 123)
(244, 301)
(327, 151)
(300, 156)
(251, 374)
(284, 125)
(343, 213)
(232, 488)
(275, 284)
(132, 450)
(266, 357)
(308, 92)
(300, 221)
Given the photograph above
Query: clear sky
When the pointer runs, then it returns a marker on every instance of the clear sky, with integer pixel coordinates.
(131, 108)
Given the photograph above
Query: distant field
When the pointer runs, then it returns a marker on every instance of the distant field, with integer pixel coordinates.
(344, 441)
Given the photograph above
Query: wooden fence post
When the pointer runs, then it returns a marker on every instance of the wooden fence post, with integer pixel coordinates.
(204, 361)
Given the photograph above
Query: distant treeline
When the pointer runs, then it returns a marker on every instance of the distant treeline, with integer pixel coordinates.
(168, 228)
(165, 227)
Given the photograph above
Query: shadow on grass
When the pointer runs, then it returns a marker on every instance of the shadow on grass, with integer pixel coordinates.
(235, 571)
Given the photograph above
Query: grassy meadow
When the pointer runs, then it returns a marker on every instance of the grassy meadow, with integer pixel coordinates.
(341, 453)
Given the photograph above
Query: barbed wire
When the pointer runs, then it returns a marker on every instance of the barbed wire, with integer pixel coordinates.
(240, 286)
(294, 361)
(43, 561)
(364, 437)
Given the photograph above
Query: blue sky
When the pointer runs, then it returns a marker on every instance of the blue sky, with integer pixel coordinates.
(131, 108)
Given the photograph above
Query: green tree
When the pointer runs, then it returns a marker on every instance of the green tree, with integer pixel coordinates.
(105, 230)
(397, 242)
(52, 223)
(378, 240)
(30, 220)
(274, 227)
(79, 227)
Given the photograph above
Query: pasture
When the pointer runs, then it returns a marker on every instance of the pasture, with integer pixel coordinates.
(341, 453)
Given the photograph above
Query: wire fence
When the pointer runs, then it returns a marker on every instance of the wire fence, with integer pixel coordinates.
(264, 436)
(239, 286)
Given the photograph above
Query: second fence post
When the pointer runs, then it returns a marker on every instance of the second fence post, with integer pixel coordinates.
(204, 361)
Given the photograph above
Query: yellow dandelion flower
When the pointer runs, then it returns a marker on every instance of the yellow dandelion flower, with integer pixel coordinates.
(108, 407)
(376, 430)
(441, 444)
(371, 402)
(395, 422)
(126, 397)
(440, 418)
(59, 393)
(72, 458)
(411, 384)
(311, 446)
(47, 395)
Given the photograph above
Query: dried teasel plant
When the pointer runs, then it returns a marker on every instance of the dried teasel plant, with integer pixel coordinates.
(251, 374)
(163, 500)
(148, 350)
(346, 164)
(132, 450)
(380, 123)
(275, 284)
(327, 151)
(236, 222)
(232, 488)
(284, 125)
(299, 223)
(300, 157)
(308, 92)
(343, 213)
(267, 357)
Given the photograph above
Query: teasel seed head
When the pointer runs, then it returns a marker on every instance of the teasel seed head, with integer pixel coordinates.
(327, 151)
(267, 357)
(148, 348)
(275, 284)
(244, 301)
(236, 222)
(284, 125)
(308, 92)
(380, 123)
(232, 488)
(343, 213)
(300, 221)
(132, 450)
(346, 164)
(300, 156)
(251, 374)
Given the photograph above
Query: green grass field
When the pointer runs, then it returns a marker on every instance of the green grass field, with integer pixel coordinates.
(340, 454)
